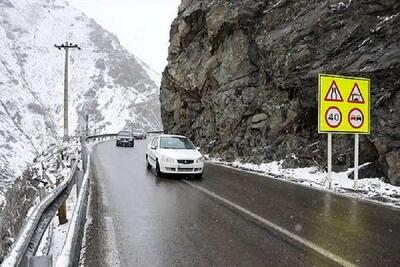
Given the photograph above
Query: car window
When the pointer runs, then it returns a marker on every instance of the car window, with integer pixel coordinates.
(154, 143)
(175, 143)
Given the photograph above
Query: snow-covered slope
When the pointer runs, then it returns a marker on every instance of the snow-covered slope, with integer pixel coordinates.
(106, 82)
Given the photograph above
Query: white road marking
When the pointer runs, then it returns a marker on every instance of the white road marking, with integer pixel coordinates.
(104, 198)
(112, 255)
(275, 227)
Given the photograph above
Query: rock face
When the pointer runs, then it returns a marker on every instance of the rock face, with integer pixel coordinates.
(13, 215)
(241, 79)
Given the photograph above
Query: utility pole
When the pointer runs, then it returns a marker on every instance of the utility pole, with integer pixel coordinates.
(66, 47)
(87, 125)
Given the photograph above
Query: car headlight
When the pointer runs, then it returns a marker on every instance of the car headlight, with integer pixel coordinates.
(201, 159)
(167, 159)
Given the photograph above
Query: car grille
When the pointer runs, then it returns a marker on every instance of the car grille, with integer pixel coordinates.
(185, 161)
(185, 169)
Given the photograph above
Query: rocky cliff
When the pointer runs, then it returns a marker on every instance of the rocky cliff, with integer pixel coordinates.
(241, 79)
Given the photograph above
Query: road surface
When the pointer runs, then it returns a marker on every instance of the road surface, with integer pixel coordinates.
(229, 218)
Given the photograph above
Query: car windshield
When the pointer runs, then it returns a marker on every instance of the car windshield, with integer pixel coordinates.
(125, 133)
(175, 143)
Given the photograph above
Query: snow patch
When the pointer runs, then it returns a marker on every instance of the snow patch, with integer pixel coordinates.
(370, 188)
(60, 231)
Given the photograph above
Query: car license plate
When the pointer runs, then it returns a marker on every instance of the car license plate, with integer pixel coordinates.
(185, 166)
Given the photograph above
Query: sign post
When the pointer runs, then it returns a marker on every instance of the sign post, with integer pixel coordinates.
(343, 108)
(356, 144)
(329, 180)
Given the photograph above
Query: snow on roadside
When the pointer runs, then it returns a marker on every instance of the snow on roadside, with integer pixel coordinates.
(65, 255)
(45, 242)
(369, 188)
(60, 231)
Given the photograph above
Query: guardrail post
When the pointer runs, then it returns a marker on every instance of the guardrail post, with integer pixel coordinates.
(79, 180)
(62, 211)
(72, 161)
(42, 192)
(83, 154)
(61, 160)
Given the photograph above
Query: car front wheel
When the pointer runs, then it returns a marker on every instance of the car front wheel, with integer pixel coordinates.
(158, 171)
(148, 165)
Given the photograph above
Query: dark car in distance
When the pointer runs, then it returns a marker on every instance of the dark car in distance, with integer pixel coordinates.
(139, 134)
(125, 138)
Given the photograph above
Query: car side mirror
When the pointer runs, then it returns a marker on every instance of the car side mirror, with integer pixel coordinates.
(152, 147)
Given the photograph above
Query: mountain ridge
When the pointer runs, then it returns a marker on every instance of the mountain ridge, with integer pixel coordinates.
(111, 85)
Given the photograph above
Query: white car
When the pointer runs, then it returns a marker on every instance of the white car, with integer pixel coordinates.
(174, 154)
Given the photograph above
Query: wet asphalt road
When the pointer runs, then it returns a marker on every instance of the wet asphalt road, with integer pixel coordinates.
(140, 220)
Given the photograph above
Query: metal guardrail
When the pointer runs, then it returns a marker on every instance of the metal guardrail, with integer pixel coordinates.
(70, 253)
(155, 132)
(100, 137)
(32, 232)
(26, 245)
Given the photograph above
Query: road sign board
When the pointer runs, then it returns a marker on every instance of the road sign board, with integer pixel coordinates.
(343, 104)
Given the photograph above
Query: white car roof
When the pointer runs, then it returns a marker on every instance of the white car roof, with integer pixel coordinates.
(172, 135)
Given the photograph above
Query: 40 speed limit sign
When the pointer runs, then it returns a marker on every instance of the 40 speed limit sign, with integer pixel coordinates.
(343, 104)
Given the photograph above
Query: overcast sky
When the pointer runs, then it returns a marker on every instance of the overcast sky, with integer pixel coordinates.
(142, 26)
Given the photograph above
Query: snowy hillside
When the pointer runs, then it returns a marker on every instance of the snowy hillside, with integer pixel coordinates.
(106, 82)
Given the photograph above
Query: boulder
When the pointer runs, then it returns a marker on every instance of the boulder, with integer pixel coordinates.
(259, 118)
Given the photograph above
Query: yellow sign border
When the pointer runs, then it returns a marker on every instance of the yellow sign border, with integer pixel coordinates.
(319, 102)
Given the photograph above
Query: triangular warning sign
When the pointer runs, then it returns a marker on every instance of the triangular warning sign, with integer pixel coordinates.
(355, 95)
(334, 93)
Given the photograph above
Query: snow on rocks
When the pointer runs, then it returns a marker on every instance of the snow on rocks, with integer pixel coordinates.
(38, 182)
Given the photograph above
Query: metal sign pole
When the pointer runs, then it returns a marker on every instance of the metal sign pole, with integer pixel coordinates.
(356, 148)
(329, 181)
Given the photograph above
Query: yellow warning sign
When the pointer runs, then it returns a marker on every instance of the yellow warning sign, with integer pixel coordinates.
(343, 104)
